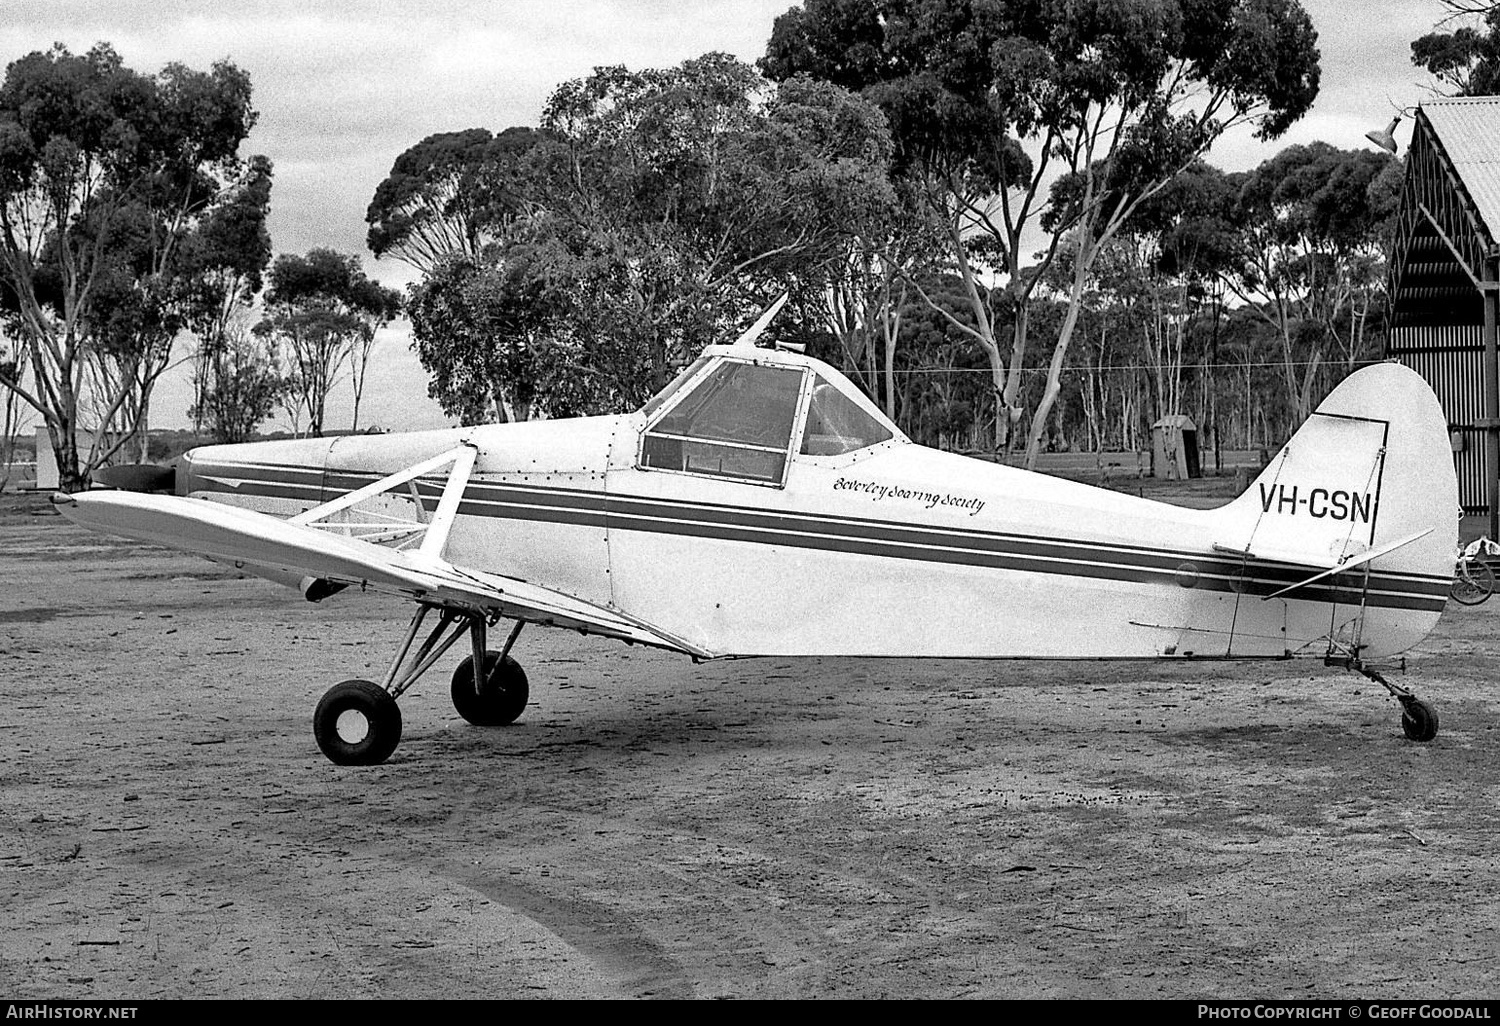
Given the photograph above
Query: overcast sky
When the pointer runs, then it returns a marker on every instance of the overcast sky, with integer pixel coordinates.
(344, 86)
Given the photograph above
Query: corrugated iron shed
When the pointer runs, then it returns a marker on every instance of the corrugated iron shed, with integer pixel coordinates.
(1445, 279)
(1468, 128)
(1450, 213)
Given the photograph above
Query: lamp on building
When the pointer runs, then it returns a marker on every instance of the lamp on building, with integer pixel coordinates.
(1385, 137)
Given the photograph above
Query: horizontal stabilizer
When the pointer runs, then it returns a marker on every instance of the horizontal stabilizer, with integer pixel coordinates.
(1353, 562)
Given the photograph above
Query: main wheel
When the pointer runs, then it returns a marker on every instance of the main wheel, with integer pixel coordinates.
(1474, 583)
(357, 723)
(501, 699)
(1419, 720)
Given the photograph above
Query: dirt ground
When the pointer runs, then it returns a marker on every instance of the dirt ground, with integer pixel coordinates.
(764, 828)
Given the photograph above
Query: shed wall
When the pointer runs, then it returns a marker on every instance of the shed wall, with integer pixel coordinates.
(1451, 358)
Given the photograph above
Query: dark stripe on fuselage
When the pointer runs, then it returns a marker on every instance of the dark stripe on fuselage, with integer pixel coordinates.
(991, 550)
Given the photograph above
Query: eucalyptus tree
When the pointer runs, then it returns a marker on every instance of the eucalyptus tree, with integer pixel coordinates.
(1170, 259)
(450, 195)
(485, 335)
(856, 283)
(324, 311)
(245, 382)
(1463, 50)
(236, 379)
(649, 214)
(12, 415)
(723, 188)
(104, 173)
(999, 97)
(968, 183)
(1314, 224)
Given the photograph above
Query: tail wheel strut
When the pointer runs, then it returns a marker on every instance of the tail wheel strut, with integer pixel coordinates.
(1419, 721)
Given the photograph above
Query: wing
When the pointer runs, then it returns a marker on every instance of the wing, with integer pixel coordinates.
(291, 550)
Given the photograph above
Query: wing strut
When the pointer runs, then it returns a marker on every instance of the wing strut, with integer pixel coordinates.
(434, 532)
(451, 625)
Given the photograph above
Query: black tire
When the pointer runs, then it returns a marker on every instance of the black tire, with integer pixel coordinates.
(1419, 721)
(1473, 586)
(357, 723)
(503, 697)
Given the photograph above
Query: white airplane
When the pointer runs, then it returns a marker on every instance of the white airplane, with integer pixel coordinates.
(761, 505)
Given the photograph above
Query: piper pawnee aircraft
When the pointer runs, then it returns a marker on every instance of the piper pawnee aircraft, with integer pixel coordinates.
(761, 505)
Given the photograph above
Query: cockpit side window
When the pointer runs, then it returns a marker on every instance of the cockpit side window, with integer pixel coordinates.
(736, 422)
(836, 424)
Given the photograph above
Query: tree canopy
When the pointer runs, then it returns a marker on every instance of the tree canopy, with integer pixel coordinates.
(892, 169)
(989, 99)
(105, 177)
(649, 212)
(450, 194)
(1463, 52)
(325, 311)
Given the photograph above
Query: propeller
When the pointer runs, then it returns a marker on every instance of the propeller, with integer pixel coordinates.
(137, 477)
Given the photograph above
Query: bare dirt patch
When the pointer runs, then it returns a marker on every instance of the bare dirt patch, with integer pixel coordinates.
(768, 828)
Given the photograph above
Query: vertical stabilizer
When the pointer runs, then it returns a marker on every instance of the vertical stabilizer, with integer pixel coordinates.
(1370, 470)
(1372, 465)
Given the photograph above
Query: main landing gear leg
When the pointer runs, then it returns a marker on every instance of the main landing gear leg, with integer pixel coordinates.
(1419, 721)
(489, 689)
(358, 723)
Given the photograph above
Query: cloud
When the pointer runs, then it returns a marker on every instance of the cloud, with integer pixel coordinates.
(344, 86)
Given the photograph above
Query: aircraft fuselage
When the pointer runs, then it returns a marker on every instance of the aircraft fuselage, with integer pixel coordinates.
(892, 549)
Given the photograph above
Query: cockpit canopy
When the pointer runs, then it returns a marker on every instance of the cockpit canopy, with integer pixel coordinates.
(738, 416)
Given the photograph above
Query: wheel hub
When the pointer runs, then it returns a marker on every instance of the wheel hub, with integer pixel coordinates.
(353, 726)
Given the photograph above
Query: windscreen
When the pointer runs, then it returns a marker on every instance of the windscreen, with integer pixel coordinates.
(737, 422)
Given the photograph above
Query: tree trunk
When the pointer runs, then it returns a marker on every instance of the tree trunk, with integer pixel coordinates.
(1043, 410)
(143, 429)
(63, 432)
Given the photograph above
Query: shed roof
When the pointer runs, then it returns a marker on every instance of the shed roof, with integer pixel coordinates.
(1449, 220)
(1469, 129)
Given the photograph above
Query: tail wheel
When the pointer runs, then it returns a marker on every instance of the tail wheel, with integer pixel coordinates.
(502, 697)
(1419, 721)
(1473, 583)
(357, 723)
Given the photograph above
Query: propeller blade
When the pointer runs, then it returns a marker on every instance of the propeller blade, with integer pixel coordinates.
(137, 477)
